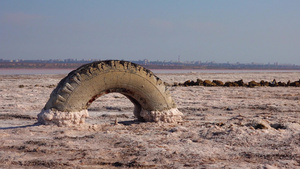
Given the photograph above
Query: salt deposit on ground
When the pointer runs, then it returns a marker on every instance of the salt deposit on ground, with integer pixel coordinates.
(234, 127)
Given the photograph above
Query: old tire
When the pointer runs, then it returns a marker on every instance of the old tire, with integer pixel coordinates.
(82, 86)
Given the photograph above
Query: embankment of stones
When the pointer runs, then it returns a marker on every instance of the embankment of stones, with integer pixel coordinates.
(69, 101)
(239, 83)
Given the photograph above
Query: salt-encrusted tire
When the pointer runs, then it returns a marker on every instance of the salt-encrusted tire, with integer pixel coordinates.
(74, 93)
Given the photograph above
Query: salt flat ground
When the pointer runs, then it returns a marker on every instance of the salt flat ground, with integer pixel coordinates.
(223, 127)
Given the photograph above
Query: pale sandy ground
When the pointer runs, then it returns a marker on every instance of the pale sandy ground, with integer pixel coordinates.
(222, 128)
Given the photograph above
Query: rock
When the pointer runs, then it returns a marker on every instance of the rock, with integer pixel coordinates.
(282, 84)
(260, 124)
(199, 82)
(208, 83)
(193, 83)
(264, 83)
(21, 86)
(228, 84)
(253, 84)
(229, 109)
(231, 84)
(218, 82)
(188, 83)
(295, 84)
(240, 82)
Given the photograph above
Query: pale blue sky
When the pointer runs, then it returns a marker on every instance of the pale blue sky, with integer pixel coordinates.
(221, 31)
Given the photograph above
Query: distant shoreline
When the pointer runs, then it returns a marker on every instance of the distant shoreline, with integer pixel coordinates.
(157, 67)
(35, 71)
(149, 65)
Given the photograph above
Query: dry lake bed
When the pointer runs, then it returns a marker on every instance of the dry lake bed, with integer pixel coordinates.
(223, 127)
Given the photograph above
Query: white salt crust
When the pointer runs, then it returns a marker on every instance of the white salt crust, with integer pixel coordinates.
(170, 116)
(61, 118)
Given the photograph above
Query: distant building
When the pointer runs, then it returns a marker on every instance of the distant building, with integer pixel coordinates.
(146, 61)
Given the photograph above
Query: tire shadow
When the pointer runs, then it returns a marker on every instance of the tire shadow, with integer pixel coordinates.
(130, 122)
(19, 127)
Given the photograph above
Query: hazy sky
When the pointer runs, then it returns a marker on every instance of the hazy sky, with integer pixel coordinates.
(222, 30)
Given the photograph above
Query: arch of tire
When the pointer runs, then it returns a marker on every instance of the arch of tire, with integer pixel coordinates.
(69, 101)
